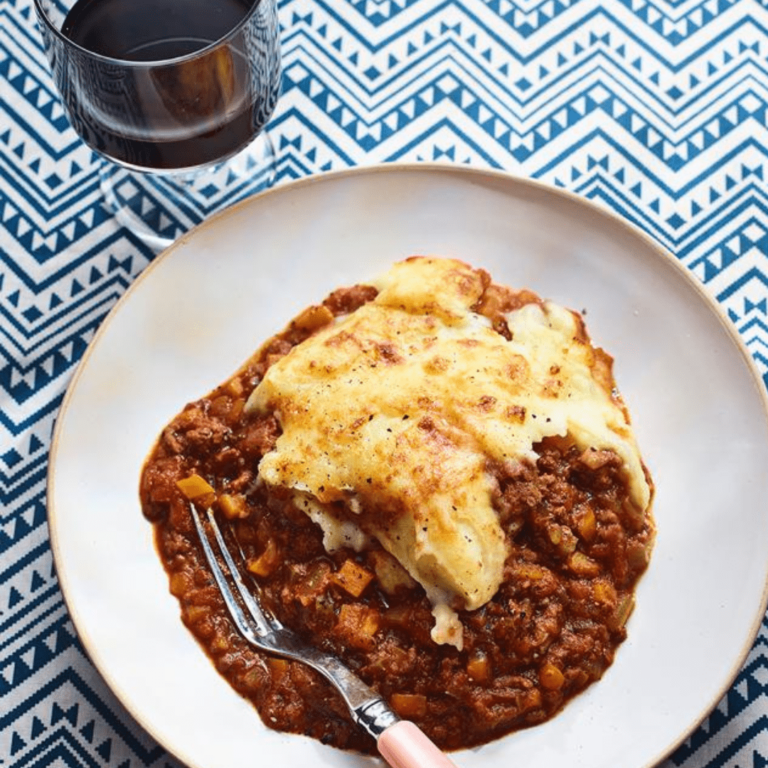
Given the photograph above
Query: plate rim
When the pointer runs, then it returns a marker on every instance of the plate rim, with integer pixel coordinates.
(501, 176)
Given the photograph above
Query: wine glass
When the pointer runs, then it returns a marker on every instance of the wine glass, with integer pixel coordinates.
(174, 96)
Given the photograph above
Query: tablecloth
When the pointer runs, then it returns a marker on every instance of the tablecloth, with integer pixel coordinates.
(656, 109)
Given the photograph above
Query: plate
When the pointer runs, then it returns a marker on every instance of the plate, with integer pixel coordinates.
(201, 308)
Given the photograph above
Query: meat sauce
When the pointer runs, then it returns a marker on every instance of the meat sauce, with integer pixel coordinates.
(577, 549)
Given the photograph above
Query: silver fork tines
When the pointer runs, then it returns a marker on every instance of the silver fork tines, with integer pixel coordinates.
(264, 632)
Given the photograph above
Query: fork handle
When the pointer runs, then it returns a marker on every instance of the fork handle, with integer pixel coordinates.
(405, 745)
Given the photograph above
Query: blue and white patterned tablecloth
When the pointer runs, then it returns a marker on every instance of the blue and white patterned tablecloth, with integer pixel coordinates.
(657, 109)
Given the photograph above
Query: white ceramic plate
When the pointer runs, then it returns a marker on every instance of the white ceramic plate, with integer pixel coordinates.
(207, 303)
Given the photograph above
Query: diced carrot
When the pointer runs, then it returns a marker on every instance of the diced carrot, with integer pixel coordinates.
(604, 593)
(194, 613)
(220, 644)
(357, 625)
(235, 387)
(479, 668)
(531, 699)
(278, 667)
(179, 583)
(314, 317)
(194, 486)
(562, 537)
(233, 506)
(266, 562)
(594, 459)
(529, 571)
(237, 409)
(409, 704)
(551, 677)
(582, 565)
(586, 524)
(352, 577)
(370, 625)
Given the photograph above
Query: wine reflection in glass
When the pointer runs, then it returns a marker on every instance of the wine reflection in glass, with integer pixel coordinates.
(174, 95)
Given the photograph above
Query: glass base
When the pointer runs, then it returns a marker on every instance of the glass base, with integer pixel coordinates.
(160, 207)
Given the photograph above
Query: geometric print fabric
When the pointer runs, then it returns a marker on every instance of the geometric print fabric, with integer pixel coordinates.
(657, 111)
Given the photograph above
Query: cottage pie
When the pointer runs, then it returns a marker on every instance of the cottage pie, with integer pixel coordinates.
(432, 476)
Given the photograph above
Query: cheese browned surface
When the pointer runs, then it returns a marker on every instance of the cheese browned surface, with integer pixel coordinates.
(391, 417)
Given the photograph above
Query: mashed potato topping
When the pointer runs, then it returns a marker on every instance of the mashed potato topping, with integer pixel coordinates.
(392, 415)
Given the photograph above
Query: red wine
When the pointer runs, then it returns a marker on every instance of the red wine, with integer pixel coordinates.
(144, 107)
(151, 30)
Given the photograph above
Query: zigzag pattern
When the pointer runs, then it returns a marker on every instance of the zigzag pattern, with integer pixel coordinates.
(656, 110)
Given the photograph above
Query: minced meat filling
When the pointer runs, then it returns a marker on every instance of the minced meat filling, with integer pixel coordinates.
(577, 548)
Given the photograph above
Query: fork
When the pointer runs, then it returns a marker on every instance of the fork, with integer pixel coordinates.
(400, 742)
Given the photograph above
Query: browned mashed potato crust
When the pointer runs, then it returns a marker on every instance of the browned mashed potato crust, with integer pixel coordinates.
(577, 546)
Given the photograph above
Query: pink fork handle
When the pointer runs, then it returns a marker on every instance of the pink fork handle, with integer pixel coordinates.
(404, 745)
